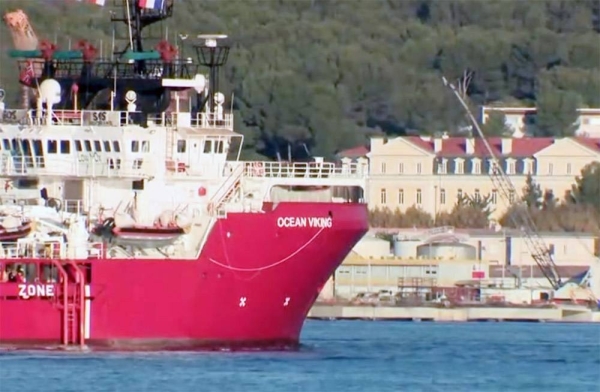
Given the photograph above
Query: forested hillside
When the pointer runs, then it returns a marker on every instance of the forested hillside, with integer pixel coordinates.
(320, 75)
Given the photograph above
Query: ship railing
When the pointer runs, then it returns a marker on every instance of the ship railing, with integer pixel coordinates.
(32, 250)
(318, 170)
(83, 165)
(185, 119)
(117, 118)
(213, 121)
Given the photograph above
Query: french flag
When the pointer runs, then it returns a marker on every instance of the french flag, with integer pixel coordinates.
(152, 4)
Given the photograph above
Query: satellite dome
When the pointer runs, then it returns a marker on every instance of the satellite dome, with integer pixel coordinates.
(50, 91)
(199, 83)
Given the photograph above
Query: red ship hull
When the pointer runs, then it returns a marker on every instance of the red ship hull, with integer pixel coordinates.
(255, 281)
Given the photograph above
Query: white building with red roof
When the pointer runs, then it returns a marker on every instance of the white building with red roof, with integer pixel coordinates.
(432, 172)
(586, 125)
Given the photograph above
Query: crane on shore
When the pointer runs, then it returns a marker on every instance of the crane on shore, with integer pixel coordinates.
(589, 283)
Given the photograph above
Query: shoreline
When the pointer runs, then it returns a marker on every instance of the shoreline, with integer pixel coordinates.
(480, 313)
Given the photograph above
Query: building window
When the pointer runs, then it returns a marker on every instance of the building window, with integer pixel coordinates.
(510, 167)
(401, 196)
(511, 196)
(401, 168)
(550, 169)
(529, 167)
(460, 166)
(382, 167)
(492, 166)
(476, 167)
(419, 197)
(477, 195)
(494, 196)
(443, 167)
(568, 168)
(418, 168)
(383, 196)
(442, 196)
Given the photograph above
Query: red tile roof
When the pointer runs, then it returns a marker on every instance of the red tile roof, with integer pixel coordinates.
(354, 152)
(590, 142)
(456, 146)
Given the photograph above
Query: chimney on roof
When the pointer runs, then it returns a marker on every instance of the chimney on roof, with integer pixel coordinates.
(437, 144)
(506, 146)
(377, 142)
(469, 146)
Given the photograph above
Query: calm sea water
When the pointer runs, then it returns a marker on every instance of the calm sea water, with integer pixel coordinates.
(340, 355)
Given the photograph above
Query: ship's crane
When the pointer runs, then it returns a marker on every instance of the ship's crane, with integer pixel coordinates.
(539, 251)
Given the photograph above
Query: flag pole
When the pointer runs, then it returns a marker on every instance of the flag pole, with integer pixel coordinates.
(129, 25)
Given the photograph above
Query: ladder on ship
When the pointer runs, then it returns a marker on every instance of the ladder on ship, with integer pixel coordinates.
(70, 300)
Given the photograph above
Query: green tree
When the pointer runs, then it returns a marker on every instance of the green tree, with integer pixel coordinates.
(495, 125)
(549, 201)
(532, 193)
(556, 110)
(586, 190)
(468, 212)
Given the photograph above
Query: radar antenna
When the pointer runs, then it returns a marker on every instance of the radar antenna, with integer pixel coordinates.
(539, 251)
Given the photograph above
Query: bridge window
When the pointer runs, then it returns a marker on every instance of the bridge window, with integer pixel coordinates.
(135, 146)
(208, 146)
(180, 145)
(107, 145)
(97, 146)
(37, 148)
(6, 143)
(88, 146)
(145, 146)
(114, 164)
(219, 146)
(116, 146)
(65, 146)
(52, 146)
(78, 146)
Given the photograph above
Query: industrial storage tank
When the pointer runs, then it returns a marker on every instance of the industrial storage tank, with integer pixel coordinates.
(447, 250)
(406, 247)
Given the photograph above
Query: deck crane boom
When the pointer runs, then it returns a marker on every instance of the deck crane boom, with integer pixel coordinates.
(539, 251)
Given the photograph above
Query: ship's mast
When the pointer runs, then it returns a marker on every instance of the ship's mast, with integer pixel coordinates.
(212, 56)
(137, 19)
